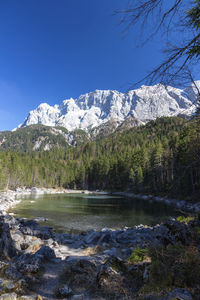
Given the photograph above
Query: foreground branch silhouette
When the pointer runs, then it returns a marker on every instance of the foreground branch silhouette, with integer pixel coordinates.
(176, 20)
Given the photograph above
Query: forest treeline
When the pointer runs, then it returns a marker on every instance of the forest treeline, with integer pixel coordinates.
(161, 158)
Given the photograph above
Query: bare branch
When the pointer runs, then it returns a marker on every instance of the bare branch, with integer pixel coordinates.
(177, 18)
(146, 10)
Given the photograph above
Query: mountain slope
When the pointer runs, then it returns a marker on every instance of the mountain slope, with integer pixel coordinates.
(40, 137)
(101, 106)
(159, 158)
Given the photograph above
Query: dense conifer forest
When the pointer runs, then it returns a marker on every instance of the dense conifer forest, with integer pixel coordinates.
(161, 158)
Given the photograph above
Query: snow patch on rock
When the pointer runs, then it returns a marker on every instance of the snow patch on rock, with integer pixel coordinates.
(96, 108)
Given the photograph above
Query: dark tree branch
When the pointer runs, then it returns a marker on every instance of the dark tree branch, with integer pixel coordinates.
(167, 14)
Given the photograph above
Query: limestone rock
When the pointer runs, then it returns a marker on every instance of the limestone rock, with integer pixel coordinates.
(65, 291)
(179, 294)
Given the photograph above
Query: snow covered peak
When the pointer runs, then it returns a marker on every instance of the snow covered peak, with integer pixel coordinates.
(96, 108)
(43, 105)
(43, 114)
(192, 90)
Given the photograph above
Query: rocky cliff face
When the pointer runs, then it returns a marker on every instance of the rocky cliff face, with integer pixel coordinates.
(101, 106)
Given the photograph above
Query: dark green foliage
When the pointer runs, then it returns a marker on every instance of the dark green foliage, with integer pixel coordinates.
(26, 138)
(138, 255)
(183, 219)
(40, 137)
(194, 21)
(161, 157)
(80, 137)
(174, 266)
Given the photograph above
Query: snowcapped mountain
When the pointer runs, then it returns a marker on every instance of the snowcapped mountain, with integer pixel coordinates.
(101, 106)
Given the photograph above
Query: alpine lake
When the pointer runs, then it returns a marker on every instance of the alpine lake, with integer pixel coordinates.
(74, 213)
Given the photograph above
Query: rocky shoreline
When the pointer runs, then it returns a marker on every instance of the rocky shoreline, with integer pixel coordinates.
(94, 265)
(10, 198)
(38, 263)
(179, 204)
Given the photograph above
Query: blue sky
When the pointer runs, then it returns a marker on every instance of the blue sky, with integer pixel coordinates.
(53, 50)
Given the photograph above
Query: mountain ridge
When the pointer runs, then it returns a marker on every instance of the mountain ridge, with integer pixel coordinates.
(94, 109)
(38, 137)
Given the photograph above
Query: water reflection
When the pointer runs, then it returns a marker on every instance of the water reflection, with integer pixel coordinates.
(80, 212)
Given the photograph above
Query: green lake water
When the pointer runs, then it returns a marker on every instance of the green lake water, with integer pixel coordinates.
(81, 212)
